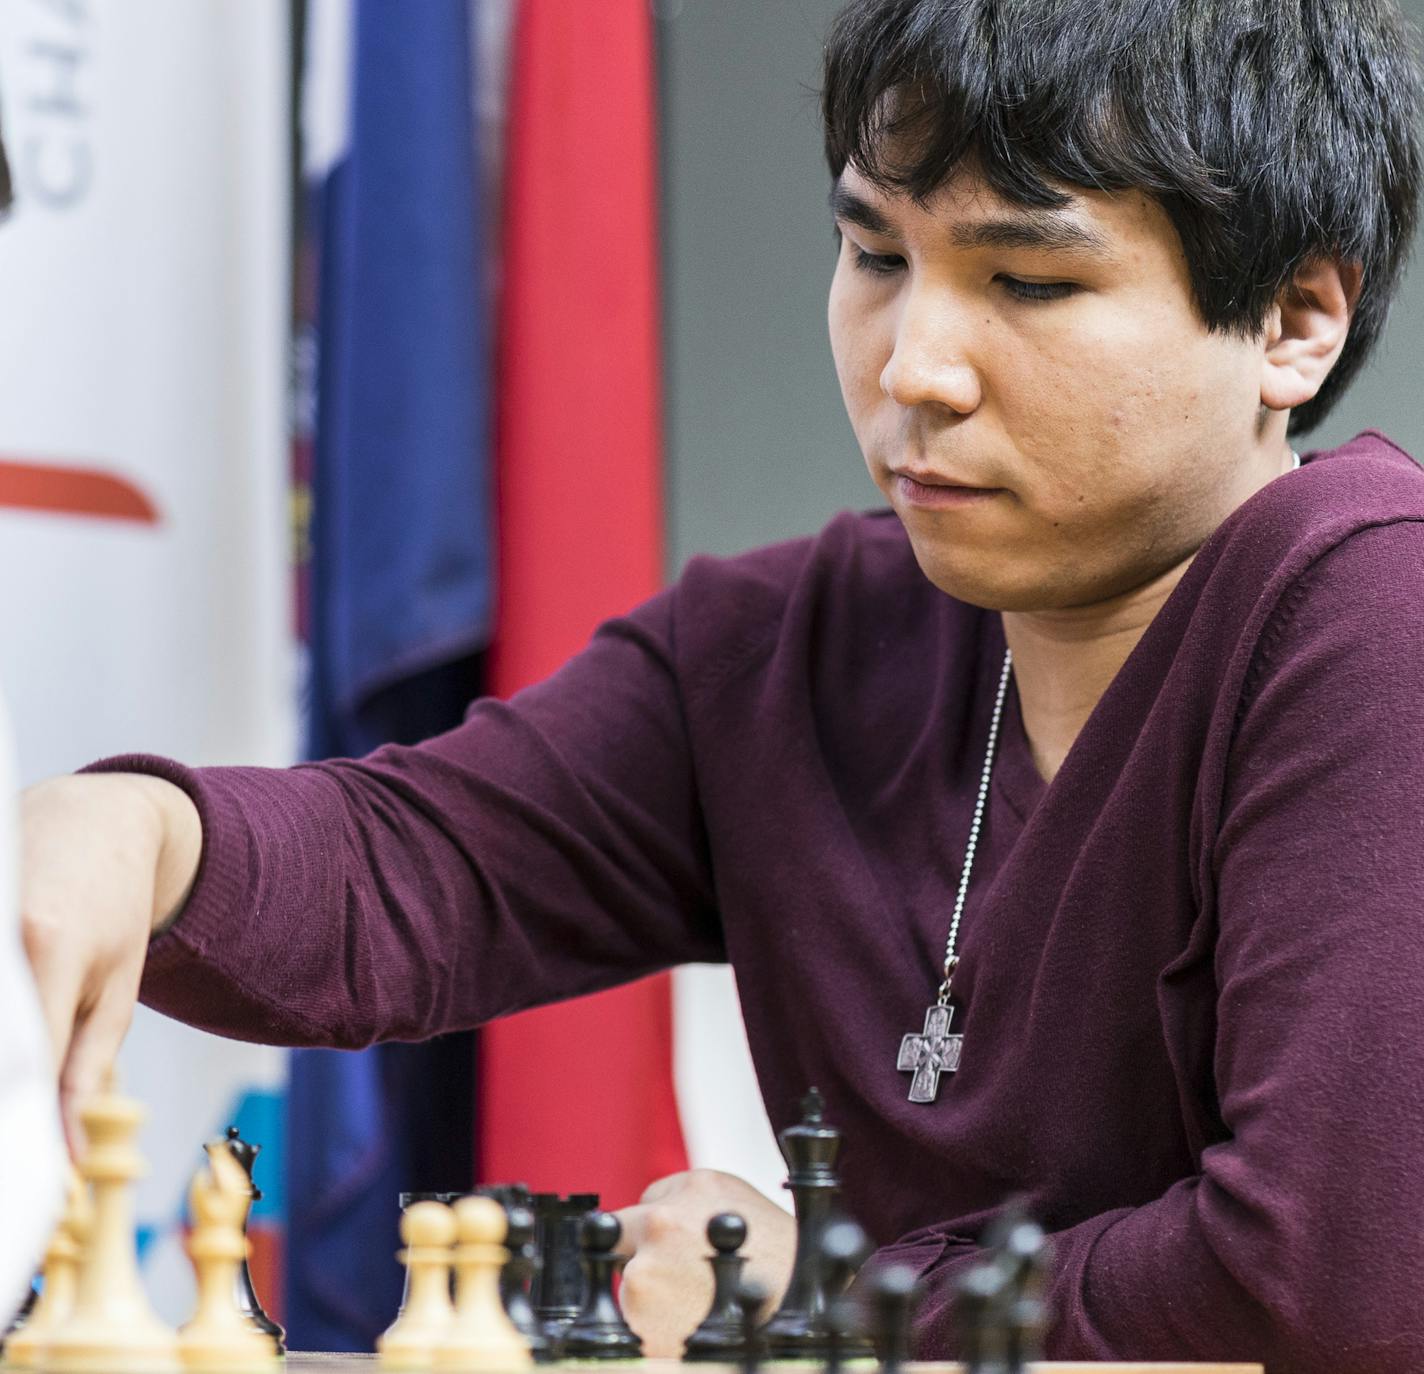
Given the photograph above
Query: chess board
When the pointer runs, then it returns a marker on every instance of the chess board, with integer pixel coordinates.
(329, 1362)
(107, 1326)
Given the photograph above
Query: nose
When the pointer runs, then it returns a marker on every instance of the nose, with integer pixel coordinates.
(929, 363)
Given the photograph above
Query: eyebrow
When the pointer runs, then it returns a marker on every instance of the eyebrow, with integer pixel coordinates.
(1048, 230)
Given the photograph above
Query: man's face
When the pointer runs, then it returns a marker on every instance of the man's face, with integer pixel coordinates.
(1076, 382)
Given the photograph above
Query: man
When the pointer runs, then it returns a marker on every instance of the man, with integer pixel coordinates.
(1062, 823)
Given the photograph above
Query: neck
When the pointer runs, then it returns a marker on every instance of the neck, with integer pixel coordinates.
(1065, 659)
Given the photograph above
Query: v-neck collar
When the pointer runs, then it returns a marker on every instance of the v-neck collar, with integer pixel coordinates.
(1015, 774)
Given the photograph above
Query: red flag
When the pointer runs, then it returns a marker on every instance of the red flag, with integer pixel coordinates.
(580, 532)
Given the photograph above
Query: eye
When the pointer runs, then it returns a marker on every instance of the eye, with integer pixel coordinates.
(1038, 290)
(877, 264)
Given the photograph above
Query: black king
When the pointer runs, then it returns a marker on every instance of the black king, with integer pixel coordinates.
(801, 1328)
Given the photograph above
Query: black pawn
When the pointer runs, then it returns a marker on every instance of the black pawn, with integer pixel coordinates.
(720, 1336)
(798, 1330)
(844, 1248)
(999, 1306)
(749, 1298)
(892, 1296)
(981, 1313)
(841, 1321)
(1026, 1253)
(244, 1293)
(599, 1331)
(515, 1281)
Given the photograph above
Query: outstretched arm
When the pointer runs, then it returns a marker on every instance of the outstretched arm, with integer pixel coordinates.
(546, 847)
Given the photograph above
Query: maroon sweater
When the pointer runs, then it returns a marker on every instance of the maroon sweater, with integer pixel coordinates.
(1192, 985)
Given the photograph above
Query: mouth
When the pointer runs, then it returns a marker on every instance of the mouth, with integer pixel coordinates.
(936, 491)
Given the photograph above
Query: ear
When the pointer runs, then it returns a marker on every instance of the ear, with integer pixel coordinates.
(1306, 329)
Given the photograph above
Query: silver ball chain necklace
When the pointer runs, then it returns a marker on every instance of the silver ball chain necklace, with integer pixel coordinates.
(934, 1051)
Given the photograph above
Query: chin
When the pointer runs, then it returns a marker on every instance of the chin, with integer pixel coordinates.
(1002, 583)
(993, 588)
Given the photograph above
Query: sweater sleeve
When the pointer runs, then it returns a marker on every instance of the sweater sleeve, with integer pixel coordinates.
(546, 847)
(1300, 1242)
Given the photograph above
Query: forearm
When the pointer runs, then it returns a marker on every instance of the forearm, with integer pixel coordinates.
(544, 848)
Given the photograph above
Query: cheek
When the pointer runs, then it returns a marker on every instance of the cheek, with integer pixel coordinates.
(855, 334)
(1102, 398)
(843, 339)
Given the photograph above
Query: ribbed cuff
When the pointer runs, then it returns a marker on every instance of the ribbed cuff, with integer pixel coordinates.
(224, 863)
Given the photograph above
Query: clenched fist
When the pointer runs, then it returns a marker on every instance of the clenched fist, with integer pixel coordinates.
(667, 1283)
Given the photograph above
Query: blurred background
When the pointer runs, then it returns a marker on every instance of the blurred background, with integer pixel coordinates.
(358, 356)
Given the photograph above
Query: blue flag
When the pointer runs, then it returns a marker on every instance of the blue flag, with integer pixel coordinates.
(399, 593)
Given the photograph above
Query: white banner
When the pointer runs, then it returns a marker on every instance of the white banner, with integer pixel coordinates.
(144, 511)
(146, 598)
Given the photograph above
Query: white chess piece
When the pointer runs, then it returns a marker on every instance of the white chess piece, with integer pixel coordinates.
(481, 1336)
(218, 1337)
(26, 1347)
(112, 1329)
(428, 1230)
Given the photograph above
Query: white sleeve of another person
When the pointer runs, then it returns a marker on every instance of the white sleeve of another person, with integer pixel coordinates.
(32, 1170)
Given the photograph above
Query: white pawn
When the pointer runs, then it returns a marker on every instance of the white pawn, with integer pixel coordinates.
(428, 1230)
(61, 1267)
(481, 1336)
(111, 1329)
(219, 1337)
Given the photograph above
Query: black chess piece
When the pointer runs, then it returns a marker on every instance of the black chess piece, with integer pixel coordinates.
(22, 1313)
(405, 1199)
(1026, 1256)
(599, 1331)
(506, 1194)
(515, 1280)
(244, 1293)
(748, 1299)
(556, 1289)
(720, 1335)
(892, 1296)
(842, 1321)
(844, 1248)
(981, 1317)
(999, 1305)
(798, 1329)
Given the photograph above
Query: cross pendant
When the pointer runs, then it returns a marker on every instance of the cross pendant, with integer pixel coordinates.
(929, 1054)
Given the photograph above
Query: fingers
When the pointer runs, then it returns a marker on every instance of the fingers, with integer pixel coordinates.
(93, 1048)
(57, 983)
(59, 1002)
(666, 1287)
(663, 1187)
(634, 1221)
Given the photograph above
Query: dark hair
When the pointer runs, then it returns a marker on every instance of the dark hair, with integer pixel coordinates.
(1272, 132)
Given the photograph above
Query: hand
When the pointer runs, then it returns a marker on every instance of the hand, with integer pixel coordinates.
(104, 859)
(667, 1284)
